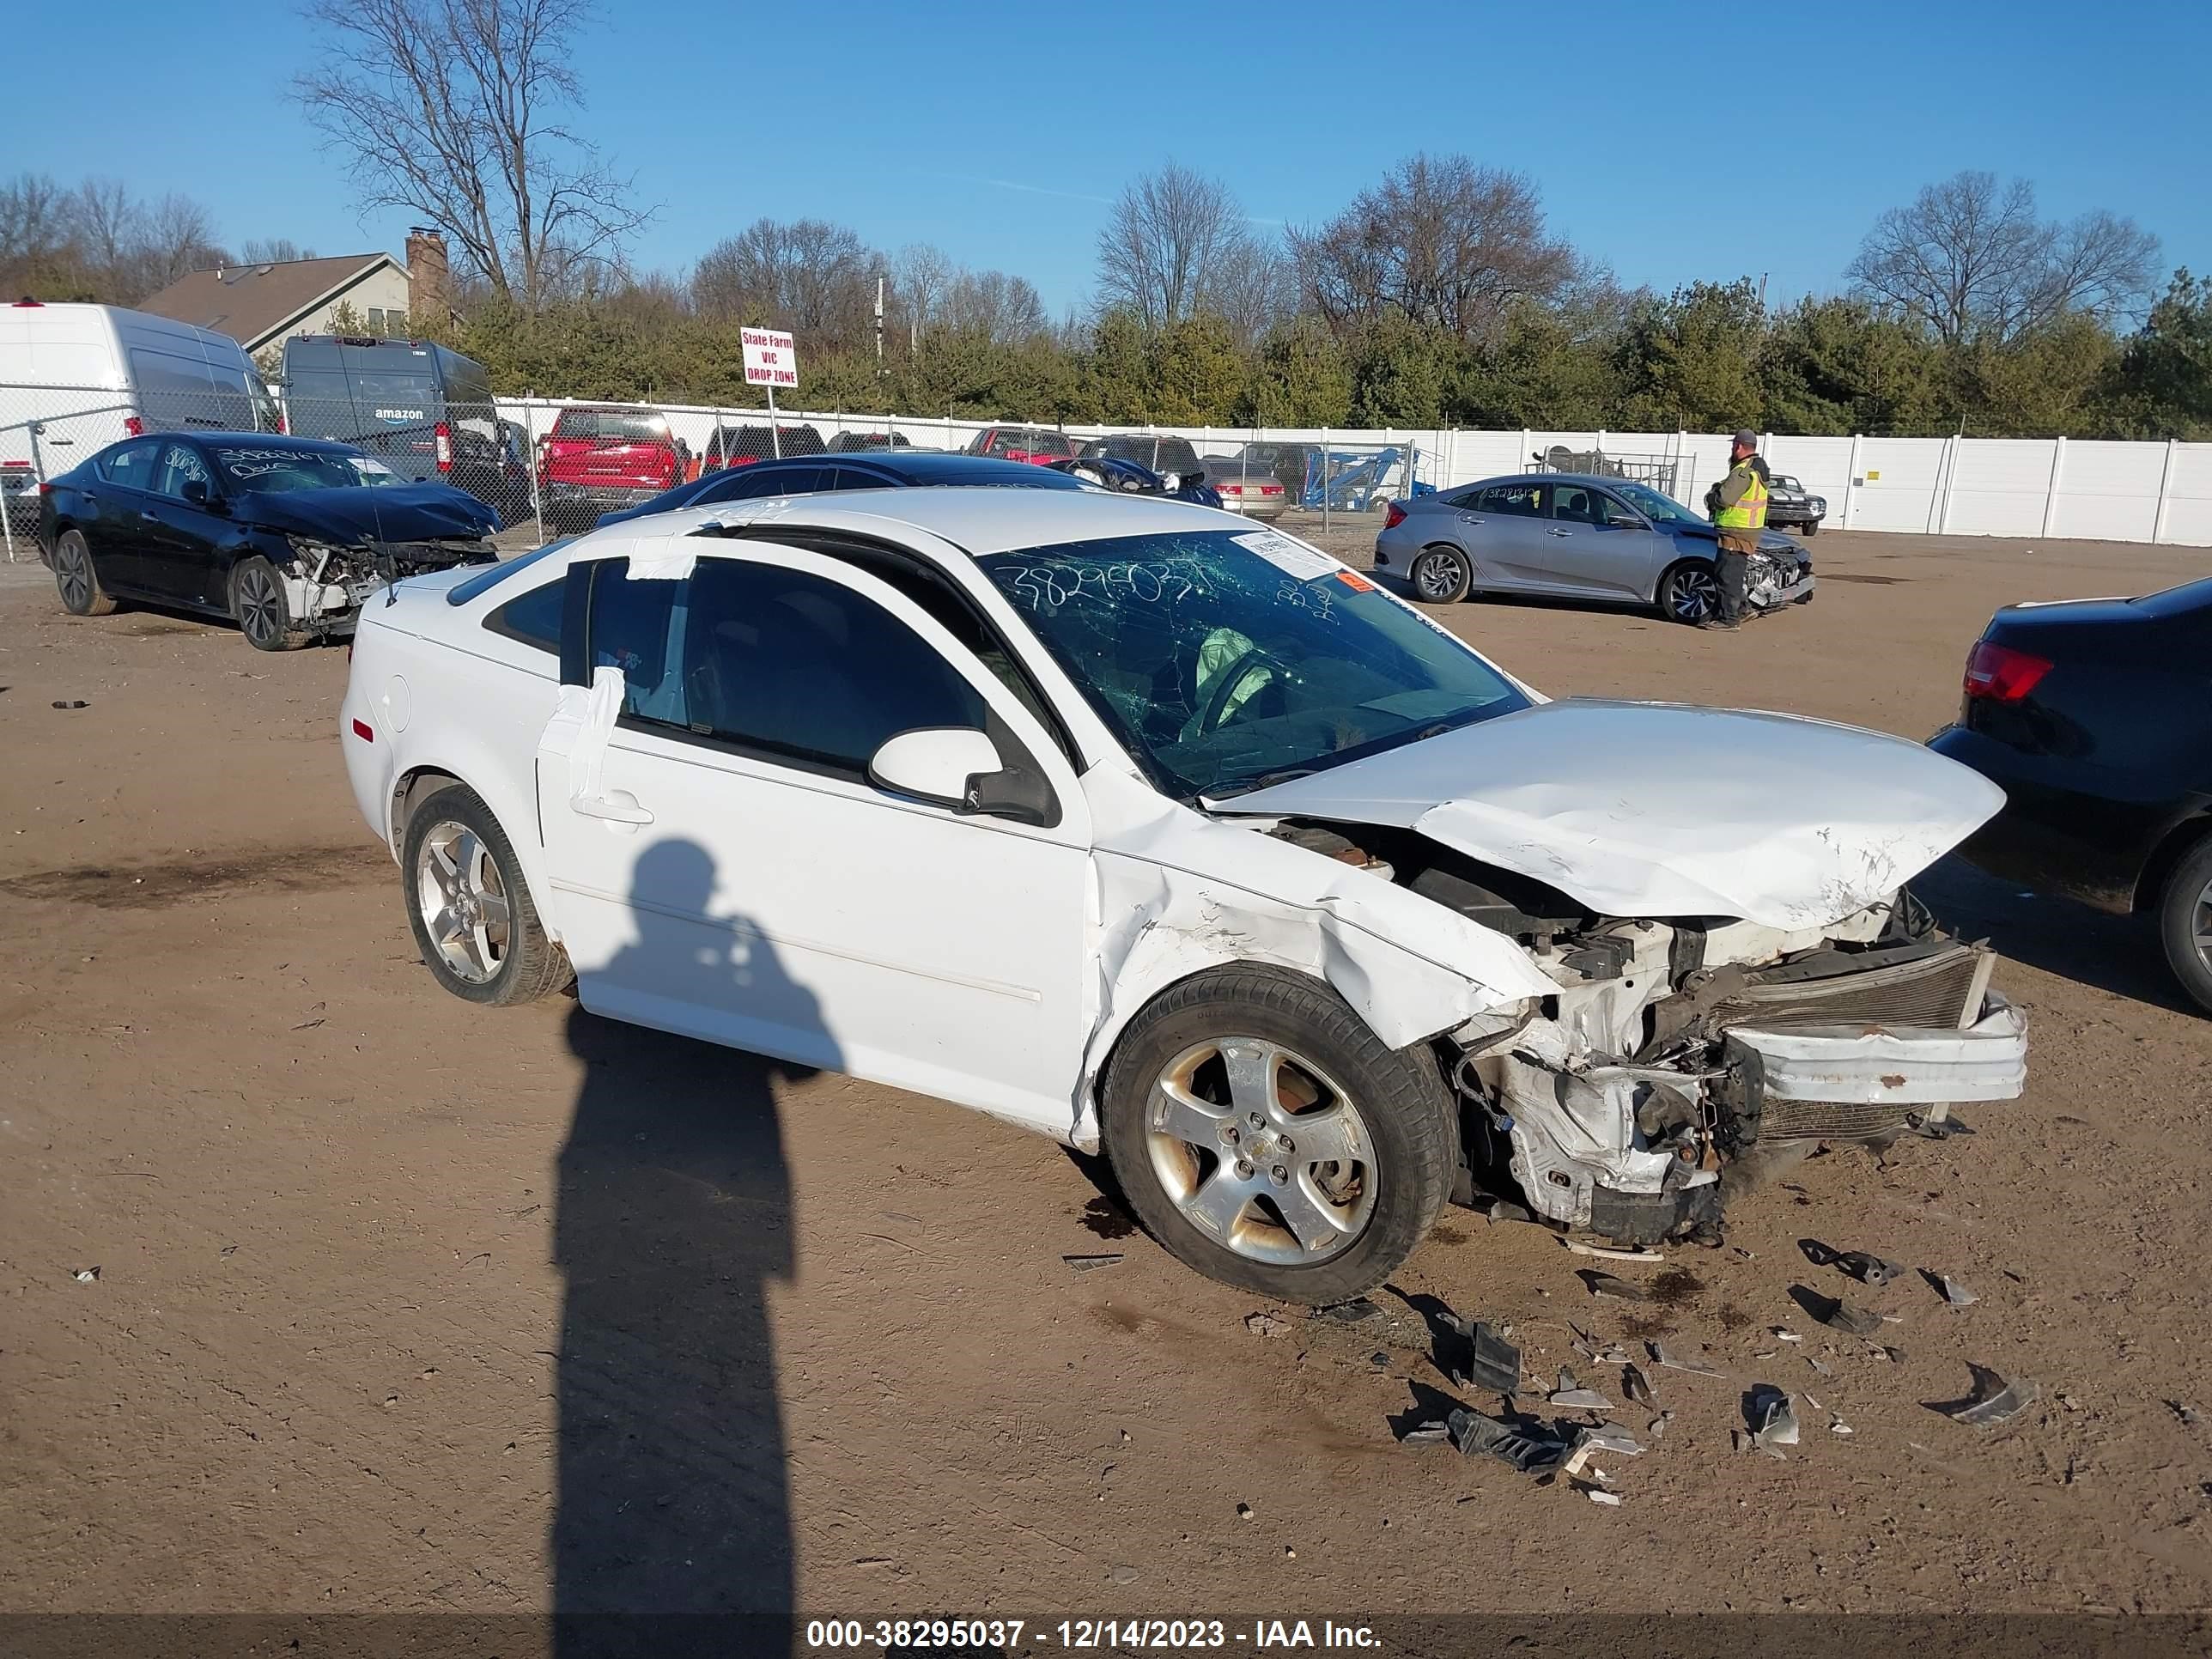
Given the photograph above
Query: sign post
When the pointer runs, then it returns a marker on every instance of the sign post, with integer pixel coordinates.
(770, 361)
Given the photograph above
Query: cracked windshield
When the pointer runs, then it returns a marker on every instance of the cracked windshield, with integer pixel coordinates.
(1228, 660)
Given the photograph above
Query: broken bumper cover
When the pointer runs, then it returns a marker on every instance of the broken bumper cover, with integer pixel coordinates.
(1870, 1082)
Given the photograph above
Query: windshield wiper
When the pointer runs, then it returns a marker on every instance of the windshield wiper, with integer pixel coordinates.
(1264, 781)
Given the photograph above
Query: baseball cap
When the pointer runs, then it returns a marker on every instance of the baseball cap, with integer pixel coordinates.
(1748, 438)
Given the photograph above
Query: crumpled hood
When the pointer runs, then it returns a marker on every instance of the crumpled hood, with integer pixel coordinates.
(1661, 810)
(387, 512)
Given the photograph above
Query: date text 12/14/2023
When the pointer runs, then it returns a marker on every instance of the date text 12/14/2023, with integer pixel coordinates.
(1006, 1635)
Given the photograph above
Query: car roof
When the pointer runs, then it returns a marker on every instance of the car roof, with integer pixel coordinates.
(980, 522)
(259, 440)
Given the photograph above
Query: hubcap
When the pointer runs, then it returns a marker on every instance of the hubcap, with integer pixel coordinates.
(1697, 595)
(260, 611)
(2201, 925)
(1436, 576)
(1261, 1150)
(74, 572)
(463, 901)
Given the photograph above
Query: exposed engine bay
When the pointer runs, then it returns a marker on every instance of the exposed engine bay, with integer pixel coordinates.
(1682, 1059)
(326, 585)
(1769, 576)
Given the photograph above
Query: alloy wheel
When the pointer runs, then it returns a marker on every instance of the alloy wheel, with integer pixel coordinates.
(462, 897)
(1437, 576)
(73, 571)
(1261, 1150)
(2201, 925)
(1696, 595)
(260, 606)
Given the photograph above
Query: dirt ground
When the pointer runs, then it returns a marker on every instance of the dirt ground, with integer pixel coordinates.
(402, 1305)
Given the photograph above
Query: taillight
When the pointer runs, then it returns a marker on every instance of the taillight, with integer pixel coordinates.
(1395, 517)
(445, 447)
(2002, 674)
(133, 427)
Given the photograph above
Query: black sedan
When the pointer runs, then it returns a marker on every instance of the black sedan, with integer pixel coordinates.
(287, 536)
(874, 470)
(2095, 718)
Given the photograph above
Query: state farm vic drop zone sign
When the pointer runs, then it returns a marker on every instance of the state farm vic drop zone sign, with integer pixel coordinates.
(769, 359)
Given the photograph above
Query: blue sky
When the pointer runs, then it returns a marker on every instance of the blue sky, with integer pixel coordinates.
(1671, 143)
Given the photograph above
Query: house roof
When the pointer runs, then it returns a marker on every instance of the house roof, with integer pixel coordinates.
(256, 303)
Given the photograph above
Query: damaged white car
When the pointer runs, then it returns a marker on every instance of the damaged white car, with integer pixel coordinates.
(1124, 822)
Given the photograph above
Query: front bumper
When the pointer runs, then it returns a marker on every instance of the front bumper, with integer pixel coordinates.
(582, 503)
(1799, 591)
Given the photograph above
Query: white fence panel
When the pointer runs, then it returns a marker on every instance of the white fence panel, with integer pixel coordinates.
(2109, 491)
(2189, 497)
(1898, 482)
(1823, 465)
(1999, 487)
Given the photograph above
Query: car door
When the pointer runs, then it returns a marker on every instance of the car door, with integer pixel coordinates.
(721, 863)
(178, 550)
(1599, 548)
(1503, 529)
(121, 491)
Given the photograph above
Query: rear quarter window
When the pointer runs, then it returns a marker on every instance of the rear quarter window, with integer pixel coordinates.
(533, 618)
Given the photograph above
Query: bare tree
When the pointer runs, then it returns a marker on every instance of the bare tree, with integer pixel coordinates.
(1166, 234)
(1252, 287)
(273, 251)
(920, 274)
(1002, 309)
(809, 276)
(1970, 260)
(109, 225)
(451, 109)
(178, 237)
(35, 221)
(1443, 242)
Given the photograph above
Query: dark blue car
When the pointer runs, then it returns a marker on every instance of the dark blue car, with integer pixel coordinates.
(808, 475)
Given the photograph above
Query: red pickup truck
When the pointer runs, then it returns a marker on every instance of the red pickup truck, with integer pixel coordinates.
(597, 459)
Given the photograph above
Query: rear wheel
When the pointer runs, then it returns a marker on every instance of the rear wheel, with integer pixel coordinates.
(1811, 529)
(2184, 922)
(256, 599)
(1266, 1137)
(1690, 591)
(469, 906)
(1441, 575)
(75, 580)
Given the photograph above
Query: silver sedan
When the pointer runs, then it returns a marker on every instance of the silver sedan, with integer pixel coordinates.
(1567, 535)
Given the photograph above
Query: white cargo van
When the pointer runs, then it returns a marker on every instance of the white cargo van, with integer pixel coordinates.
(75, 378)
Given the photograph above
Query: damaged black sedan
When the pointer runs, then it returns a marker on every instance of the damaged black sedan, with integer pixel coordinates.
(288, 537)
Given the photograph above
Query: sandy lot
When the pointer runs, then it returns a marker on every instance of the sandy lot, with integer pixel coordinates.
(405, 1306)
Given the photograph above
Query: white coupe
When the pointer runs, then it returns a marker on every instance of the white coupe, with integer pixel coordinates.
(1130, 823)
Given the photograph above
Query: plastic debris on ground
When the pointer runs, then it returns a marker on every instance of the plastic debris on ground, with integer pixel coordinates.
(1265, 1324)
(1084, 1264)
(1995, 1400)
(1347, 1313)
(1949, 1288)
(1773, 1424)
(1840, 1315)
(1782, 1333)
(1618, 1290)
(1636, 1385)
(1572, 1396)
(1673, 1362)
(1473, 1432)
(1643, 1257)
(1505, 1210)
(1598, 1495)
(1491, 1362)
(86, 1275)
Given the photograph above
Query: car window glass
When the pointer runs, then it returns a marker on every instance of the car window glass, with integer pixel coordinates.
(132, 465)
(1521, 501)
(1576, 504)
(845, 478)
(534, 618)
(796, 481)
(632, 627)
(790, 662)
(1176, 455)
(180, 465)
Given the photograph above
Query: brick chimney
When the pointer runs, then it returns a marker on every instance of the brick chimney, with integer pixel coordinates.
(428, 297)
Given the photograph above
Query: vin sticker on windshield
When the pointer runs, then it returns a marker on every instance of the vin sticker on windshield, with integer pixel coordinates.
(1293, 558)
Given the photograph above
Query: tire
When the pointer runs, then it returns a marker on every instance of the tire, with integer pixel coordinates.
(1440, 574)
(258, 601)
(2184, 922)
(1367, 1213)
(1810, 530)
(448, 832)
(1689, 592)
(75, 579)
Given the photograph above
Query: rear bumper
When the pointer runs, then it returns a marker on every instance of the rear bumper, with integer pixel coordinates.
(586, 502)
(1256, 507)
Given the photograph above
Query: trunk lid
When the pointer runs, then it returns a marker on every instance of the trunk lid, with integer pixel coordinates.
(1662, 810)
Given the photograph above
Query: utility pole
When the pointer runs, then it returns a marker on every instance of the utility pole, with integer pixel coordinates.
(1762, 290)
(879, 325)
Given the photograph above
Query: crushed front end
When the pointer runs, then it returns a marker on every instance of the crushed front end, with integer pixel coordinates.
(1681, 1062)
(326, 583)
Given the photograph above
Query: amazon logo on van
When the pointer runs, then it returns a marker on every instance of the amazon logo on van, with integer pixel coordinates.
(399, 415)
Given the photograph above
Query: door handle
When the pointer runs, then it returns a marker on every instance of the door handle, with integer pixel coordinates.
(150, 518)
(1469, 518)
(1561, 532)
(618, 806)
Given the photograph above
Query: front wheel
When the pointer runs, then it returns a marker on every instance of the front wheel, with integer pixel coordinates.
(469, 906)
(2184, 922)
(1441, 575)
(1267, 1138)
(1811, 530)
(75, 579)
(1690, 591)
(256, 599)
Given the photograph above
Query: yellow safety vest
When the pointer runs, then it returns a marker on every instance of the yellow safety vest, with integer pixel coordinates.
(1750, 511)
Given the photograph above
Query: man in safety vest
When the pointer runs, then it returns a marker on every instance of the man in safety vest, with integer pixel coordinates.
(1737, 506)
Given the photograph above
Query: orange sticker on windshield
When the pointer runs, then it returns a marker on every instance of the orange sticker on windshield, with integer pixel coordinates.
(1355, 582)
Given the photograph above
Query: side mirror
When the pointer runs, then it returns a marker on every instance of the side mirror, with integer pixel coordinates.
(959, 766)
(1191, 480)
